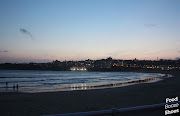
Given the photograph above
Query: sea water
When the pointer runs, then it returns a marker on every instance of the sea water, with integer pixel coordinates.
(42, 81)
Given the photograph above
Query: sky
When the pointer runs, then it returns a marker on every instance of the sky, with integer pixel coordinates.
(47, 30)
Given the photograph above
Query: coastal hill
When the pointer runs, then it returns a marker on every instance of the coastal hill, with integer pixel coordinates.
(108, 64)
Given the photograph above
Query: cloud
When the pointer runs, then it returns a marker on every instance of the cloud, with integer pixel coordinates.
(3, 51)
(177, 58)
(116, 52)
(24, 31)
(178, 51)
(150, 25)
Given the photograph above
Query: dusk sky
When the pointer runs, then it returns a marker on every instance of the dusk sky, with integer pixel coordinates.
(47, 30)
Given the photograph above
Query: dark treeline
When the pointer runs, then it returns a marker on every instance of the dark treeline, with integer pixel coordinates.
(108, 64)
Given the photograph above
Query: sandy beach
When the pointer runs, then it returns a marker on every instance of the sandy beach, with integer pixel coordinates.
(20, 104)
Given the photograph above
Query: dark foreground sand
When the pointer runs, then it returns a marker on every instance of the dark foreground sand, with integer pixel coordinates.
(20, 104)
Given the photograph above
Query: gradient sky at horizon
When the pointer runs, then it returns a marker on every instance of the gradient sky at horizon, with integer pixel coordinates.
(46, 30)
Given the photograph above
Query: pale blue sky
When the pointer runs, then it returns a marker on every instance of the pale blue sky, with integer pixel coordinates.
(94, 29)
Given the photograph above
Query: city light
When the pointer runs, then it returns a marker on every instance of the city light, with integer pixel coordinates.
(78, 69)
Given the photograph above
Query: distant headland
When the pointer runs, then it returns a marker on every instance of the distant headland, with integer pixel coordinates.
(108, 64)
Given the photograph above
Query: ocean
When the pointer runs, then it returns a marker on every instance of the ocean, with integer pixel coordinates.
(43, 81)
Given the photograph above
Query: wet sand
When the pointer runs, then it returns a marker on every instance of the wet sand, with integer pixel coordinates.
(20, 104)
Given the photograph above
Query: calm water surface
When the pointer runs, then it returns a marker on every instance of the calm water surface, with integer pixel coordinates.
(40, 81)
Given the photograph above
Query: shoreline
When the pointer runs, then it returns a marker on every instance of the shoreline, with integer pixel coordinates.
(105, 86)
(90, 86)
(91, 100)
